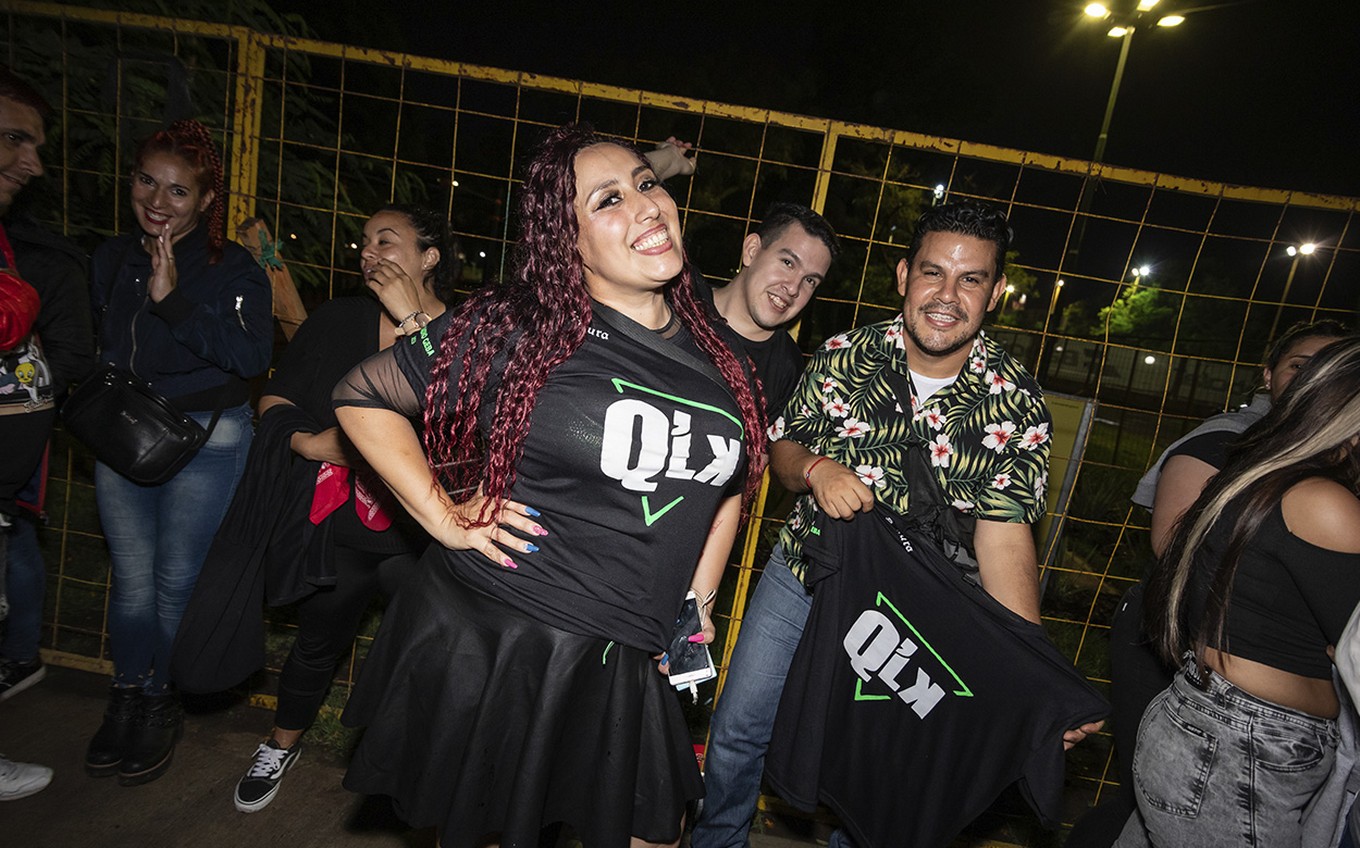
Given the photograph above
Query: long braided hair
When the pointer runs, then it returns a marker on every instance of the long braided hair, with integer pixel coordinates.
(533, 322)
(192, 143)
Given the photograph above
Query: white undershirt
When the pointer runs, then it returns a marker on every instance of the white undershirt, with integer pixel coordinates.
(927, 386)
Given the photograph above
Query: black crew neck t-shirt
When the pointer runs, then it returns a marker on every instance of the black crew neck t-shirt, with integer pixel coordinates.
(914, 697)
(629, 454)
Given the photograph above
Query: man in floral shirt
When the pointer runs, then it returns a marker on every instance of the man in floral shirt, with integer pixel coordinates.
(843, 442)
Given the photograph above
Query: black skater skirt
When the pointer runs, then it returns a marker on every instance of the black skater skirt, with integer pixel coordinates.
(481, 720)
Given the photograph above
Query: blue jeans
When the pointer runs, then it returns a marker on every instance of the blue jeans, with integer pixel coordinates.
(1219, 767)
(744, 718)
(26, 584)
(158, 537)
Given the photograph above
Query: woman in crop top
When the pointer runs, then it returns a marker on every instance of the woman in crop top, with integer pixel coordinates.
(1170, 486)
(1258, 579)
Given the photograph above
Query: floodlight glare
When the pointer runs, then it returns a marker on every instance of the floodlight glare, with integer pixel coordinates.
(1010, 289)
(1143, 270)
(1307, 248)
(1062, 283)
(1171, 20)
(1118, 32)
(1149, 359)
(1097, 10)
(1144, 5)
(1292, 250)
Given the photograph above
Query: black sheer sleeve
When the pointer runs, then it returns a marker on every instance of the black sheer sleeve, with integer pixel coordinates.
(379, 383)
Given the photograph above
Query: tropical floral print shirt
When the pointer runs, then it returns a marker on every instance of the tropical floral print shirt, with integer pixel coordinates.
(988, 432)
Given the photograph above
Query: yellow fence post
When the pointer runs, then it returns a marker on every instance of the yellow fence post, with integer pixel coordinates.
(245, 129)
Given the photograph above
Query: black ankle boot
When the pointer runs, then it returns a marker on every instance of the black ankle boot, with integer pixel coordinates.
(153, 743)
(114, 737)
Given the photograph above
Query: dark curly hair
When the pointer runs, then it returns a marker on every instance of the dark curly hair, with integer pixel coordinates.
(192, 143)
(535, 321)
(432, 230)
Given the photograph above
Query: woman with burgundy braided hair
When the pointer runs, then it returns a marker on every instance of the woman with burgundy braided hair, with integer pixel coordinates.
(591, 437)
(189, 313)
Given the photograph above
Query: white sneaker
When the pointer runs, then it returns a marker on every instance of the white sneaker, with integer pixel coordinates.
(19, 780)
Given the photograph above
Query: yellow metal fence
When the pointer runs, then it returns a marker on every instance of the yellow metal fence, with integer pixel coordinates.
(1155, 295)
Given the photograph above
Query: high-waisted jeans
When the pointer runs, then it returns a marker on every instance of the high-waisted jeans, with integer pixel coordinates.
(1219, 767)
(158, 537)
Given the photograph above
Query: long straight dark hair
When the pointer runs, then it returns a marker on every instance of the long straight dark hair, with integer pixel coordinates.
(1310, 432)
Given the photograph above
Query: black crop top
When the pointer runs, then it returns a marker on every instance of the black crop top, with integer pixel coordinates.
(1290, 598)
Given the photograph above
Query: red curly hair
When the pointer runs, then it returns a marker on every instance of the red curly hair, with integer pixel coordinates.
(192, 143)
(546, 292)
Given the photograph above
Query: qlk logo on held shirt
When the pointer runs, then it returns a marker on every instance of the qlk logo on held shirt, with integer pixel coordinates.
(643, 444)
(906, 666)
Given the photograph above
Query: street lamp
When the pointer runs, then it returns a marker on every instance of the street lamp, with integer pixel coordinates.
(1010, 290)
(1053, 301)
(1122, 27)
(1296, 251)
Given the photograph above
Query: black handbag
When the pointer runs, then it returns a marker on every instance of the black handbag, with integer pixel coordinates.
(131, 428)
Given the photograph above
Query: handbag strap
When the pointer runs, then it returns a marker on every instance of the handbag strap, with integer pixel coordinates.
(221, 405)
(630, 328)
(929, 509)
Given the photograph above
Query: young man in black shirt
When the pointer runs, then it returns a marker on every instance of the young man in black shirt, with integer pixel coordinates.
(782, 263)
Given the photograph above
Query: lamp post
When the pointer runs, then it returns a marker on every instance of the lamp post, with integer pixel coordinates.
(1295, 251)
(1053, 301)
(1122, 27)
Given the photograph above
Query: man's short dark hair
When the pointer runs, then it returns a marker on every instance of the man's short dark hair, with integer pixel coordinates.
(967, 218)
(780, 215)
(16, 89)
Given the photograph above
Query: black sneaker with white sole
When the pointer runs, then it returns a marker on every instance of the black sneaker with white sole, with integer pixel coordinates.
(261, 783)
(15, 677)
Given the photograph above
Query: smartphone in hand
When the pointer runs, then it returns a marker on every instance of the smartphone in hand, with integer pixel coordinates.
(690, 662)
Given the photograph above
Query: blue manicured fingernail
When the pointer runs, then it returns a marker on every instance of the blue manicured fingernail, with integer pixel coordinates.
(666, 657)
(530, 548)
(531, 512)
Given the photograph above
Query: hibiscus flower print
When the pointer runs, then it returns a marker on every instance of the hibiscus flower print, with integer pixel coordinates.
(934, 417)
(853, 429)
(940, 451)
(828, 385)
(776, 430)
(977, 365)
(1001, 481)
(894, 336)
(835, 407)
(871, 475)
(1034, 436)
(1041, 486)
(998, 436)
(998, 384)
(836, 342)
(964, 506)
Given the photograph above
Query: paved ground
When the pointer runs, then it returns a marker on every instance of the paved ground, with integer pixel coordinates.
(191, 805)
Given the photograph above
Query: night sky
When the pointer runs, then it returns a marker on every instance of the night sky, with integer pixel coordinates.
(1261, 92)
